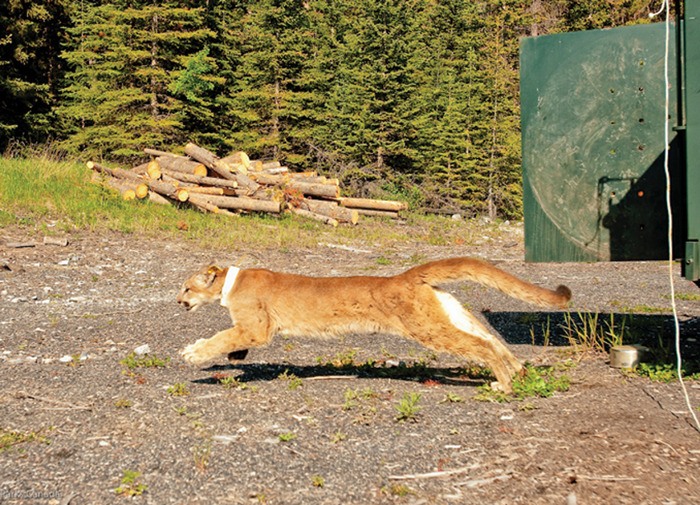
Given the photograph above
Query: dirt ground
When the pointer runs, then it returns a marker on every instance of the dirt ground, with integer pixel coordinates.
(76, 421)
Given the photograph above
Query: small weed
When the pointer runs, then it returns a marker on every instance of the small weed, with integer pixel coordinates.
(686, 297)
(408, 407)
(338, 437)
(181, 411)
(667, 372)
(317, 481)
(133, 361)
(354, 396)
(351, 397)
(75, 361)
(130, 485)
(229, 381)
(123, 403)
(478, 372)
(527, 407)
(293, 382)
(10, 438)
(590, 334)
(397, 489)
(178, 389)
(343, 359)
(286, 437)
(540, 382)
(383, 261)
(546, 333)
(452, 398)
(202, 454)
(645, 309)
(583, 334)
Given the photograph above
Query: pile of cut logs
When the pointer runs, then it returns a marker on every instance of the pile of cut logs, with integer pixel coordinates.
(237, 184)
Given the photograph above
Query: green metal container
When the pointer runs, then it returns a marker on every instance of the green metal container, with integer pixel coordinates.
(593, 120)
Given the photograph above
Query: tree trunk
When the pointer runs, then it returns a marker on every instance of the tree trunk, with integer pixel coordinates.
(239, 161)
(311, 189)
(184, 165)
(331, 209)
(317, 217)
(210, 160)
(378, 213)
(202, 181)
(214, 163)
(243, 203)
(368, 203)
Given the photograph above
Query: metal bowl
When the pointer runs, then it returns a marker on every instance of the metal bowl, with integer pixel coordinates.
(626, 356)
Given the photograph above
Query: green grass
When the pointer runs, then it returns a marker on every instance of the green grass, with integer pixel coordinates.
(178, 389)
(541, 382)
(408, 408)
(130, 485)
(11, 438)
(668, 372)
(293, 382)
(286, 437)
(53, 197)
(133, 361)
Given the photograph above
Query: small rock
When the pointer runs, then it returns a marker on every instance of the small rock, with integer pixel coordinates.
(225, 439)
(32, 359)
(142, 349)
(66, 359)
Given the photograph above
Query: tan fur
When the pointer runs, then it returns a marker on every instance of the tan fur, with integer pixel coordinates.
(264, 303)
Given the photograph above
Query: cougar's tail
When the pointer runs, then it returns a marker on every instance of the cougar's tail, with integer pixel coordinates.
(470, 269)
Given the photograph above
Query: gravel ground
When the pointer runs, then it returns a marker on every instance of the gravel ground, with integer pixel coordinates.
(76, 421)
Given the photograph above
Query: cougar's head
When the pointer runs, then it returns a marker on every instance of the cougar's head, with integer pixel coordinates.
(202, 288)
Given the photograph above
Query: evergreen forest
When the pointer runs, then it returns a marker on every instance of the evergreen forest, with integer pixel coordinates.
(413, 98)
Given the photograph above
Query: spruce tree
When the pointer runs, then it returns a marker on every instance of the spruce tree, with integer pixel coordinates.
(30, 68)
(450, 103)
(126, 59)
(270, 97)
(369, 107)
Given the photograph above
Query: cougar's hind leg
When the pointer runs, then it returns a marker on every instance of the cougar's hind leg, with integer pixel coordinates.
(443, 324)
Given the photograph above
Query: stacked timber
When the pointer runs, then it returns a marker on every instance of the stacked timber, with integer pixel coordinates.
(236, 184)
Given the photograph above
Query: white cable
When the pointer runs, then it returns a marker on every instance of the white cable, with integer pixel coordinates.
(665, 8)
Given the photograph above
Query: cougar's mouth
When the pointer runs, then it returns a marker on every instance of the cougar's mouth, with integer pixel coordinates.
(188, 306)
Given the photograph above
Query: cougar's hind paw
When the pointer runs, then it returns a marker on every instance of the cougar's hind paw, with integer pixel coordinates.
(237, 355)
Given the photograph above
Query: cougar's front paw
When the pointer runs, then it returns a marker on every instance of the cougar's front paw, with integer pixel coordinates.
(197, 354)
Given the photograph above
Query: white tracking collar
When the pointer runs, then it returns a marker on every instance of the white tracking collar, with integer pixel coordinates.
(228, 283)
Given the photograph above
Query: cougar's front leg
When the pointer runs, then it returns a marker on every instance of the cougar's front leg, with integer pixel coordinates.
(208, 349)
(234, 342)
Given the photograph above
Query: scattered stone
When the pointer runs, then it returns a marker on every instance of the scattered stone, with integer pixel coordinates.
(142, 350)
(225, 439)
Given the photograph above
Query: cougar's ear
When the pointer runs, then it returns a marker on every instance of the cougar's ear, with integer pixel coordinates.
(206, 278)
(214, 270)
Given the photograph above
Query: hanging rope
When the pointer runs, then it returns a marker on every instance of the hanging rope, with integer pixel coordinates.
(679, 362)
